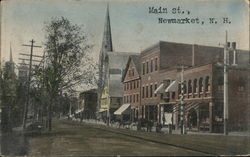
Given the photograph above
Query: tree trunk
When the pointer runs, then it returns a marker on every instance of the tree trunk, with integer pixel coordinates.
(50, 116)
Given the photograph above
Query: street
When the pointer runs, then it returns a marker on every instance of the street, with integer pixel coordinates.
(80, 139)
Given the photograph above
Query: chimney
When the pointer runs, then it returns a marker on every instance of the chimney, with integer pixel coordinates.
(234, 53)
(193, 55)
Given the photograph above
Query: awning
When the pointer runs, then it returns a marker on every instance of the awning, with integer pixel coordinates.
(122, 109)
(172, 87)
(80, 110)
(103, 110)
(159, 89)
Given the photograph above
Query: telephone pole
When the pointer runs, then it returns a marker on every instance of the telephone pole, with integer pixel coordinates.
(26, 106)
(182, 100)
(226, 65)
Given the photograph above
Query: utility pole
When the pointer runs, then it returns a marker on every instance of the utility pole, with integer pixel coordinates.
(182, 100)
(26, 106)
(226, 65)
(225, 87)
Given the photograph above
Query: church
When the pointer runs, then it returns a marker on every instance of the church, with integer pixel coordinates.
(111, 68)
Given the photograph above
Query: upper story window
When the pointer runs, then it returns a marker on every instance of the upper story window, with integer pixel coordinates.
(143, 91)
(201, 84)
(184, 87)
(195, 86)
(179, 88)
(143, 68)
(156, 64)
(137, 83)
(134, 84)
(155, 89)
(146, 91)
(147, 67)
(151, 66)
(207, 84)
(189, 86)
(151, 91)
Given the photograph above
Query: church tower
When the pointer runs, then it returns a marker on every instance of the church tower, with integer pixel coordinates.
(10, 64)
(107, 46)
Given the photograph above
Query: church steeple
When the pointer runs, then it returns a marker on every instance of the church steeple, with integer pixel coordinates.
(11, 59)
(103, 61)
(107, 37)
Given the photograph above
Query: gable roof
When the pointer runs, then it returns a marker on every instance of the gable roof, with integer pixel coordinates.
(136, 59)
(118, 60)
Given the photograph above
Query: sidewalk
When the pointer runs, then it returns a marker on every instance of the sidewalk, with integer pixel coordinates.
(165, 129)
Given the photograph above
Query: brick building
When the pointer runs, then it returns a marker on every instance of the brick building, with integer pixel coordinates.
(203, 97)
(131, 85)
(160, 68)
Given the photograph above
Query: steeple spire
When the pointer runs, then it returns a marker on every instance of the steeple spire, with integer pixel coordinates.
(11, 59)
(107, 37)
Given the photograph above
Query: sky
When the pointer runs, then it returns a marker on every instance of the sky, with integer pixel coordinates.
(133, 28)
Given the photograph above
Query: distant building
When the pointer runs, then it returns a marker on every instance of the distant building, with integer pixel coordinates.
(23, 71)
(88, 104)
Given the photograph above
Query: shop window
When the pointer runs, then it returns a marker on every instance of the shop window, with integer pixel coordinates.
(220, 83)
(241, 84)
(173, 95)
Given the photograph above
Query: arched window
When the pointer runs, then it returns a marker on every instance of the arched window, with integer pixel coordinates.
(189, 86)
(220, 83)
(207, 84)
(195, 86)
(179, 88)
(201, 84)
